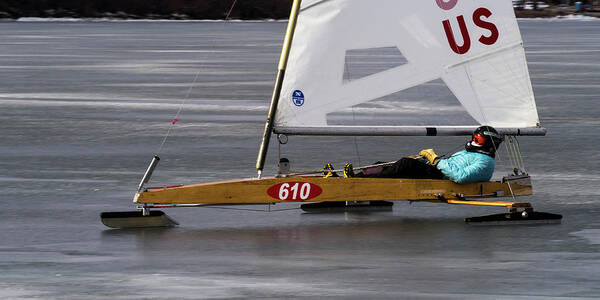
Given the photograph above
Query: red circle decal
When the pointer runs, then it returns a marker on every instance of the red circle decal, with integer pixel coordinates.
(446, 4)
(294, 191)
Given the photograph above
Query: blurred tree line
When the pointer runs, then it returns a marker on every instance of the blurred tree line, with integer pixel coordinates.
(193, 9)
(173, 9)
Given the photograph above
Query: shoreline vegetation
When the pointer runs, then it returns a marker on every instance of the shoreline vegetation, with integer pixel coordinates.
(553, 13)
(188, 10)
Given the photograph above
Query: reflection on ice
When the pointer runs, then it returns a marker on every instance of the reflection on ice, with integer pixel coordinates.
(591, 235)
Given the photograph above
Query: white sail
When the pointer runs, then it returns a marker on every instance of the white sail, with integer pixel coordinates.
(474, 46)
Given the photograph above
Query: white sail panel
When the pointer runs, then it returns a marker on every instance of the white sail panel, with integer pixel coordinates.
(487, 71)
(495, 89)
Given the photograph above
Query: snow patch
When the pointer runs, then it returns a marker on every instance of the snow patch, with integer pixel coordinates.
(563, 18)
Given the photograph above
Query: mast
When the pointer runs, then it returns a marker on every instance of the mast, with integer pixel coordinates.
(285, 52)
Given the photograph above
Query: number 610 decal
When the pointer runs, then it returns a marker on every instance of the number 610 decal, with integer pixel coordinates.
(294, 191)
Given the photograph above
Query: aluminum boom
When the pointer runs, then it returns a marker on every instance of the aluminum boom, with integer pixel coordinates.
(402, 131)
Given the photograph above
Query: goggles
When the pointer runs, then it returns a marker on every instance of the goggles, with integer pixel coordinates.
(479, 139)
(492, 134)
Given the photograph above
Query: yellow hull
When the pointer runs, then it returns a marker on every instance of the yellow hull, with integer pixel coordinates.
(318, 189)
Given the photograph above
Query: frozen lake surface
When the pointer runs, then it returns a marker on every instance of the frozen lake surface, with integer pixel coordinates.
(84, 105)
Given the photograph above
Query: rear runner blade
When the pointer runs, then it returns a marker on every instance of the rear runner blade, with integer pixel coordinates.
(136, 219)
(510, 218)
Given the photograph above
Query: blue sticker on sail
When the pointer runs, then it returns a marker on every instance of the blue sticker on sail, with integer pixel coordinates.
(298, 98)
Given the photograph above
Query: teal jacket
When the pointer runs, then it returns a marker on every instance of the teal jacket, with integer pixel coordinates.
(466, 167)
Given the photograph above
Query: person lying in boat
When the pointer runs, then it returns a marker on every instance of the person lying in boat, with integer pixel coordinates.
(474, 164)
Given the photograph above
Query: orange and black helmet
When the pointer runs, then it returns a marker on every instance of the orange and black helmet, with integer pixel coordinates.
(486, 140)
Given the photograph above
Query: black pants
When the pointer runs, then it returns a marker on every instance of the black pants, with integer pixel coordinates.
(407, 168)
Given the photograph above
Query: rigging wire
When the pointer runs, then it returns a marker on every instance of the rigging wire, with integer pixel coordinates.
(514, 150)
(515, 157)
(224, 207)
(250, 209)
(355, 138)
(519, 154)
(190, 89)
(509, 152)
(512, 193)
